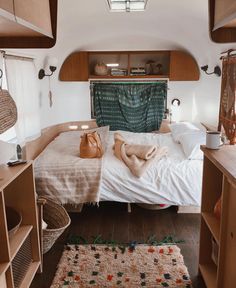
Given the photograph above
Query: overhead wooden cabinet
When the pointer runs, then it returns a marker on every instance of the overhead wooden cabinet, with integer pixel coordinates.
(28, 23)
(183, 67)
(175, 65)
(222, 20)
(218, 236)
(75, 68)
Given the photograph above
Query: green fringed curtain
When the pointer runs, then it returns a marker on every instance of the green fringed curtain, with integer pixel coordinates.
(136, 107)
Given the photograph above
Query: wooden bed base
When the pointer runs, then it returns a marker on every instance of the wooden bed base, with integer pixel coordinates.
(33, 148)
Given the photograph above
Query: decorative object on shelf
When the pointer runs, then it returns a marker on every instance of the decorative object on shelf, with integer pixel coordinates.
(14, 219)
(51, 64)
(101, 69)
(149, 67)
(217, 208)
(216, 71)
(137, 71)
(227, 115)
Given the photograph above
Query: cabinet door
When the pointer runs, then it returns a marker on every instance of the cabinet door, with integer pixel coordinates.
(75, 67)
(228, 275)
(36, 13)
(183, 67)
(7, 5)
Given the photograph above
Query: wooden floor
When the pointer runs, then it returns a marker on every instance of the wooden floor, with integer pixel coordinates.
(112, 221)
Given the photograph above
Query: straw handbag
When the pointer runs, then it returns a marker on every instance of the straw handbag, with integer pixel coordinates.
(91, 145)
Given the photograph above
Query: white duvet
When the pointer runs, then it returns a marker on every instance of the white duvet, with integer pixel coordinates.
(172, 180)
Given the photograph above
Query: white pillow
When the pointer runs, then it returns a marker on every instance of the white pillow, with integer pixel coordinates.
(7, 151)
(191, 142)
(180, 128)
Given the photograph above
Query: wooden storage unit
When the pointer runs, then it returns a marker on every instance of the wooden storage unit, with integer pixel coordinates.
(219, 180)
(19, 253)
(22, 24)
(222, 17)
(176, 65)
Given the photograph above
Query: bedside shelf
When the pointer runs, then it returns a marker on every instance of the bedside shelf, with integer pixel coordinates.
(20, 255)
(213, 224)
(18, 239)
(219, 181)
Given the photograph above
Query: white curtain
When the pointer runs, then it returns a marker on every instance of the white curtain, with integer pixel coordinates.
(23, 86)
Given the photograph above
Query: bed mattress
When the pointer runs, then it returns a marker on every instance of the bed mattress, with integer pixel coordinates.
(172, 180)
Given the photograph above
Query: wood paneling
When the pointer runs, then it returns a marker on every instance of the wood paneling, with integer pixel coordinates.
(7, 5)
(220, 35)
(29, 11)
(75, 67)
(225, 12)
(183, 67)
(26, 35)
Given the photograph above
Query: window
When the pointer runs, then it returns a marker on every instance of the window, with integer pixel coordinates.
(127, 5)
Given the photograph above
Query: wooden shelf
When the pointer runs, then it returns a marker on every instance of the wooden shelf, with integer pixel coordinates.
(219, 181)
(174, 65)
(3, 267)
(30, 274)
(20, 253)
(126, 76)
(209, 274)
(213, 224)
(18, 239)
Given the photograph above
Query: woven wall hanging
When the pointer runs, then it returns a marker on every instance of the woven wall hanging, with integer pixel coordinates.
(227, 117)
(8, 111)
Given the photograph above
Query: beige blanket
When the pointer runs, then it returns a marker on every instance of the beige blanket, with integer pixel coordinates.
(137, 157)
(63, 176)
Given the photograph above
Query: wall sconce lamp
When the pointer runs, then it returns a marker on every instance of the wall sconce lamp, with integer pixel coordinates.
(216, 71)
(52, 64)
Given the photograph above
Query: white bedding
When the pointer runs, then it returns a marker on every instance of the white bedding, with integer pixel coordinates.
(172, 180)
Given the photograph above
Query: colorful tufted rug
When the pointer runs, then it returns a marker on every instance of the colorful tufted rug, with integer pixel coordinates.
(121, 266)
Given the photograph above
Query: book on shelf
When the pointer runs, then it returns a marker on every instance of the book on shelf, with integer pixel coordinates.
(118, 72)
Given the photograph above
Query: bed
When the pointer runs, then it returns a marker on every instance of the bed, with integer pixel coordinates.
(172, 180)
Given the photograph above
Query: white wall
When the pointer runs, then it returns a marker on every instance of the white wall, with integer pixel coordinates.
(169, 24)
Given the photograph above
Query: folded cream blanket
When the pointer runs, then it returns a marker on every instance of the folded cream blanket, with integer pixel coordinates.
(137, 157)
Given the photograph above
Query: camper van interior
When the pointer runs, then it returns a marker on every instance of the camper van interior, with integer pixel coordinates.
(117, 143)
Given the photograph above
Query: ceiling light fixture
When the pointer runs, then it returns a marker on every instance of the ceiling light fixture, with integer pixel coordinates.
(127, 5)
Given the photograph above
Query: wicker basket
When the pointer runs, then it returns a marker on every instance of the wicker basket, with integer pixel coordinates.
(57, 219)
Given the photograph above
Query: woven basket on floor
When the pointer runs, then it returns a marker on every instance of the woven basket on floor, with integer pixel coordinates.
(57, 219)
